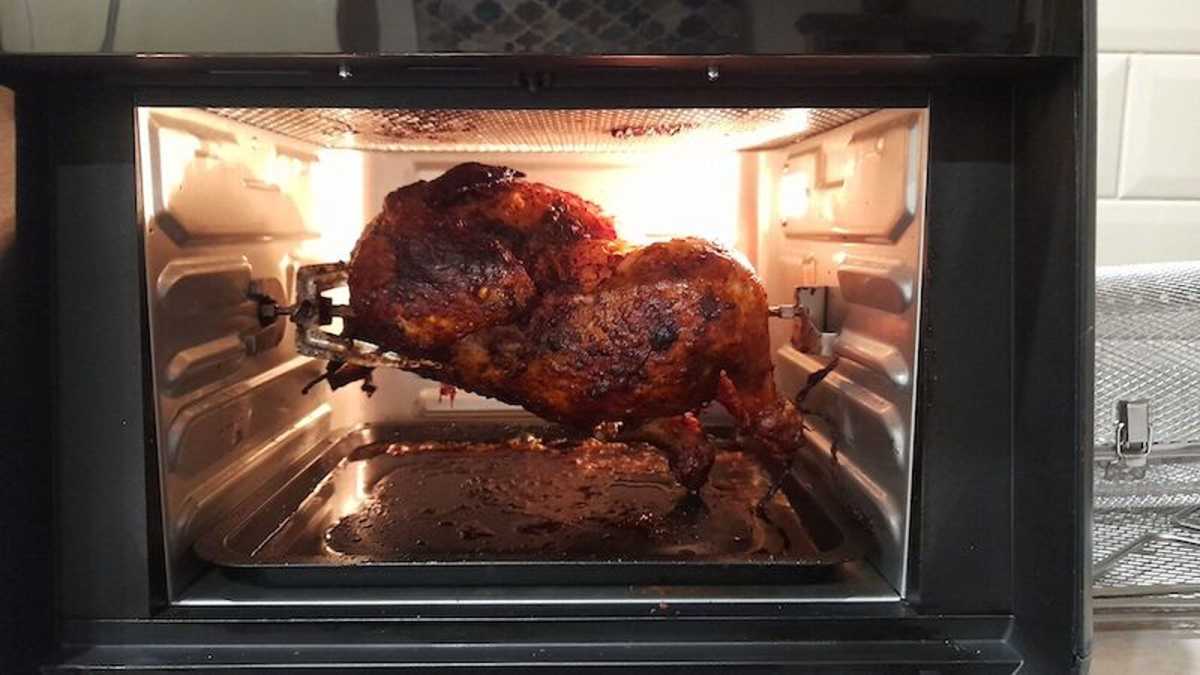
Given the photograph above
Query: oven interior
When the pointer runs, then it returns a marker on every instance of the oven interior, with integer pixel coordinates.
(262, 483)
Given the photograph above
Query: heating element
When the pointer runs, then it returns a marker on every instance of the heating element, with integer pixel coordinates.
(612, 130)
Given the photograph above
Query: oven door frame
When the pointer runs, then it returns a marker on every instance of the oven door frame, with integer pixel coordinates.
(1002, 487)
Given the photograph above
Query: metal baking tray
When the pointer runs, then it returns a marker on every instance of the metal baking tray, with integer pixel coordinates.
(471, 504)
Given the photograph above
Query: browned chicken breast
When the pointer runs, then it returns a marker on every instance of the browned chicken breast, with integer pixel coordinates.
(525, 294)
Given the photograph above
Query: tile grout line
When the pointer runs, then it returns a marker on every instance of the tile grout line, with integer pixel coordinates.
(1151, 200)
(1126, 86)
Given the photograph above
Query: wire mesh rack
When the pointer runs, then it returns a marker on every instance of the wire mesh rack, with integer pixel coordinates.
(534, 130)
(1146, 532)
(1148, 347)
(1146, 529)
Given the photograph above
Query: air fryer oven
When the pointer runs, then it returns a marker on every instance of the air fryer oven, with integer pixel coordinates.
(927, 216)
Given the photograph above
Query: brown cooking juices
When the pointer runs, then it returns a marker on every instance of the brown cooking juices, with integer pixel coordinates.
(566, 499)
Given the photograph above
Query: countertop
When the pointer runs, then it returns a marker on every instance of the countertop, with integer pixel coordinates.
(1145, 652)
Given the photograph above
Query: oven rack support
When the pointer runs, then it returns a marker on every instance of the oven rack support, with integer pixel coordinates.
(313, 310)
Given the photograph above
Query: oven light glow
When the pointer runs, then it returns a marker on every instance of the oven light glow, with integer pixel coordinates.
(676, 195)
(793, 195)
(792, 122)
(337, 206)
(690, 192)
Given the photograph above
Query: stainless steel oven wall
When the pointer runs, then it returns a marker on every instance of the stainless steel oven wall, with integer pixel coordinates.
(228, 211)
(848, 221)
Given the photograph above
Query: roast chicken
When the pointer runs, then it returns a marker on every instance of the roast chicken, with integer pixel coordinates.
(524, 293)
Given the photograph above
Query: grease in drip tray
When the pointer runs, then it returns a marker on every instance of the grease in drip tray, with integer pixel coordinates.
(582, 500)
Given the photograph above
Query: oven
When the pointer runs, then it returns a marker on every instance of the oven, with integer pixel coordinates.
(911, 186)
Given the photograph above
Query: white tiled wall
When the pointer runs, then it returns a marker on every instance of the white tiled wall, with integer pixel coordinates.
(1148, 132)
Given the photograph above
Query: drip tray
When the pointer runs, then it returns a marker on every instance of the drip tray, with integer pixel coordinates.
(489, 504)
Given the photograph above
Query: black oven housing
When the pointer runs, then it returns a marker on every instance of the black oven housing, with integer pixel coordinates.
(1002, 485)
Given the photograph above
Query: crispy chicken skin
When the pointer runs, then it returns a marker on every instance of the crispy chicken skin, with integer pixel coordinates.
(524, 293)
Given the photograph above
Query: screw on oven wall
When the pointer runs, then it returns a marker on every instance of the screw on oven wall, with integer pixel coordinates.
(344, 72)
(534, 82)
(714, 73)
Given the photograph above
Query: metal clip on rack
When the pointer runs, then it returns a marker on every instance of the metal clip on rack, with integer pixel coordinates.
(1133, 440)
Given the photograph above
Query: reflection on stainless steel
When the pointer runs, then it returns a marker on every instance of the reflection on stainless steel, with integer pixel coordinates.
(881, 356)
(343, 492)
(872, 270)
(863, 190)
(218, 487)
(227, 409)
(222, 447)
(869, 497)
(701, 27)
(525, 499)
(872, 452)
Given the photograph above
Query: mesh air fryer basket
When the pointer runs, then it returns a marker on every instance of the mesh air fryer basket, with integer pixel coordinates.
(1146, 530)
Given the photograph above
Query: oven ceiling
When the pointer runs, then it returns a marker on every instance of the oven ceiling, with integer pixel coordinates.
(595, 130)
